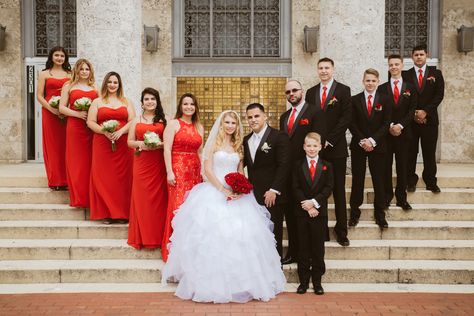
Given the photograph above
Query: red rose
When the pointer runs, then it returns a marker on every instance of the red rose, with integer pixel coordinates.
(304, 122)
(238, 183)
(325, 168)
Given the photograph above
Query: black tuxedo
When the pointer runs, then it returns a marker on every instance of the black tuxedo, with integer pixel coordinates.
(430, 96)
(309, 119)
(338, 116)
(270, 170)
(312, 231)
(376, 127)
(402, 113)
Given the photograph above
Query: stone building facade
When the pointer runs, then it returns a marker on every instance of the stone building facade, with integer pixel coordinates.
(110, 34)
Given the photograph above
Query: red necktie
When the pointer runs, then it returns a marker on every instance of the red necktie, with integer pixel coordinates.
(396, 92)
(420, 77)
(369, 105)
(312, 169)
(323, 98)
(291, 122)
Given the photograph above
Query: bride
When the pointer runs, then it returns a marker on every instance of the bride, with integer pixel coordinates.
(223, 248)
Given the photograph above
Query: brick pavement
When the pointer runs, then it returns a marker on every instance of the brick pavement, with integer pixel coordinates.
(340, 304)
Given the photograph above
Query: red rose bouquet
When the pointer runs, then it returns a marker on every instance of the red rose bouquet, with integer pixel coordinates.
(238, 183)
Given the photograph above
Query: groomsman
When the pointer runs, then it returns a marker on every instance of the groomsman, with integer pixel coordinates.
(297, 122)
(402, 96)
(429, 84)
(334, 99)
(371, 113)
(267, 158)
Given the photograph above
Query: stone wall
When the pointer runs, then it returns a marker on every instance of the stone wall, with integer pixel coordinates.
(12, 136)
(457, 109)
(156, 66)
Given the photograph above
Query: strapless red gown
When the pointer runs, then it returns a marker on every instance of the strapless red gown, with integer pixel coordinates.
(187, 171)
(149, 193)
(111, 171)
(78, 153)
(54, 137)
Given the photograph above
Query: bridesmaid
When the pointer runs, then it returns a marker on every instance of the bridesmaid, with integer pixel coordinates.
(182, 146)
(78, 136)
(149, 188)
(111, 171)
(50, 82)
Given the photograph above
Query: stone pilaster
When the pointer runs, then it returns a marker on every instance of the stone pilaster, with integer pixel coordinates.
(109, 34)
(352, 34)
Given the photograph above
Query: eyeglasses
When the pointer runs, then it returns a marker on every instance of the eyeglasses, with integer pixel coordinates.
(287, 92)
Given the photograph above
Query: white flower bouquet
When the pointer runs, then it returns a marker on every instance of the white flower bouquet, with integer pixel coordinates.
(151, 140)
(83, 104)
(54, 101)
(110, 126)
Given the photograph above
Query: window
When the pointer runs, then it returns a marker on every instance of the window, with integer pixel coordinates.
(232, 28)
(409, 23)
(54, 25)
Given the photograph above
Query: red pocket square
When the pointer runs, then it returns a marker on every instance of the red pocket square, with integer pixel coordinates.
(304, 122)
(325, 168)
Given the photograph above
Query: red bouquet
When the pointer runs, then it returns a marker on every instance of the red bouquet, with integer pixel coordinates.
(238, 183)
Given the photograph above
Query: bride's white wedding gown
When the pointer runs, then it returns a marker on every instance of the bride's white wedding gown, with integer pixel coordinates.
(223, 251)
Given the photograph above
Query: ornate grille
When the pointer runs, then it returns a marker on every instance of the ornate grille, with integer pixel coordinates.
(55, 25)
(406, 25)
(232, 28)
(218, 94)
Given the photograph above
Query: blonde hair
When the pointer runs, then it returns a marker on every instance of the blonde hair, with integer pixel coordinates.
(314, 136)
(371, 71)
(77, 69)
(236, 137)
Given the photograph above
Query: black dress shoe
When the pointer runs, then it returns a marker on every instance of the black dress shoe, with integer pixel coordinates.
(288, 260)
(318, 289)
(411, 188)
(302, 289)
(404, 205)
(343, 241)
(108, 221)
(382, 223)
(353, 222)
(433, 188)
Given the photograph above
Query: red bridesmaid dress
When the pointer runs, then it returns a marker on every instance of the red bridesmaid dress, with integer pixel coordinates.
(54, 137)
(111, 171)
(187, 171)
(149, 193)
(78, 152)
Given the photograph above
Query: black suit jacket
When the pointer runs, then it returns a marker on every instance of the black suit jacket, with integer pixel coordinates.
(338, 115)
(309, 120)
(404, 110)
(320, 189)
(271, 167)
(376, 126)
(431, 93)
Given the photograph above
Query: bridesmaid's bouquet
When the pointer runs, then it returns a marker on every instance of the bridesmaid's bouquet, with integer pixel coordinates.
(238, 183)
(54, 101)
(151, 140)
(83, 104)
(110, 126)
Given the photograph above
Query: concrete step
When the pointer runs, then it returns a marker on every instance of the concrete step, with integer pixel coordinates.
(408, 230)
(20, 195)
(148, 271)
(41, 212)
(94, 249)
(61, 230)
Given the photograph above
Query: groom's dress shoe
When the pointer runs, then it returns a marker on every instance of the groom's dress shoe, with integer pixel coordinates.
(302, 289)
(433, 188)
(405, 206)
(382, 223)
(288, 260)
(353, 222)
(343, 241)
(318, 289)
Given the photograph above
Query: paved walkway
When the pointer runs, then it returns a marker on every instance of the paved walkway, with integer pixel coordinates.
(338, 304)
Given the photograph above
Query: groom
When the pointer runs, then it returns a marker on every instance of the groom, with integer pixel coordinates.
(267, 158)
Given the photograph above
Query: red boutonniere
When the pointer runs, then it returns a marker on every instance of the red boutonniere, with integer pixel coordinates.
(407, 93)
(325, 168)
(431, 79)
(304, 122)
(378, 107)
(332, 101)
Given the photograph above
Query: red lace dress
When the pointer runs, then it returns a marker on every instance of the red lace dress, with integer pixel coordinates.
(78, 152)
(149, 193)
(187, 172)
(111, 171)
(54, 137)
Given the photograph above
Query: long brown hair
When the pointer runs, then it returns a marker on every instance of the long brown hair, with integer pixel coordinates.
(104, 92)
(77, 69)
(179, 110)
(159, 113)
(50, 63)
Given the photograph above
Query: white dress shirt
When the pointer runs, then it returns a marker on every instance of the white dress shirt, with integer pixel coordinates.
(366, 94)
(298, 110)
(399, 85)
(321, 89)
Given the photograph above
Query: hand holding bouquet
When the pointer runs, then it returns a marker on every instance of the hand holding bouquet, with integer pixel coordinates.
(54, 101)
(238, 183)
(151, 140)
(83, 104)
(110, 126)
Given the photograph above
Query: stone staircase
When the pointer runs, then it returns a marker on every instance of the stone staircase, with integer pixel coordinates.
(44, 241)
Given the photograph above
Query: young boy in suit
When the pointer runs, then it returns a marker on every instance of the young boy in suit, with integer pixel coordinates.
(312, 184)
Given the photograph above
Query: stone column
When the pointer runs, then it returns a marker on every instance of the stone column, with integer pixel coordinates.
(109, 34)
(352, 33)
